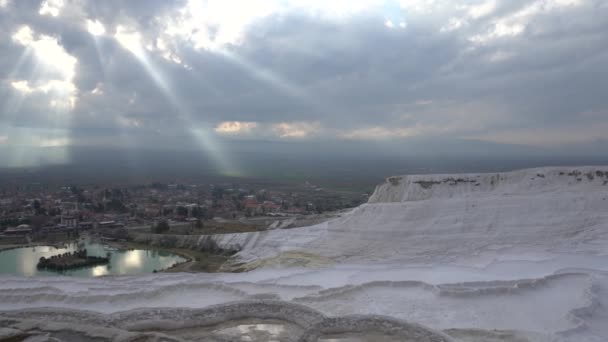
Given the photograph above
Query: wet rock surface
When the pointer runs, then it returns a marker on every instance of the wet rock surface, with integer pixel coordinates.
(239, 321)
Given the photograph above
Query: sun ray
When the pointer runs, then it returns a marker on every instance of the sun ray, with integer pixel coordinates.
(97, 31)
(316, 105)
(14, 103)
(265, 75)
(131, 40)
(50, 77)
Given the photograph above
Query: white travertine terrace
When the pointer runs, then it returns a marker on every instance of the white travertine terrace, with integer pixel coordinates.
(516, 256)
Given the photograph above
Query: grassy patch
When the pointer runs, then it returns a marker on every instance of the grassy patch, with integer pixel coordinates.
(197, 261)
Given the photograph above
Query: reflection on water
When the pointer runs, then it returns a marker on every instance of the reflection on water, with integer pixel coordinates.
(99, 270)
(23, 261)
(255, 332)
(366, 337)
(133, 258)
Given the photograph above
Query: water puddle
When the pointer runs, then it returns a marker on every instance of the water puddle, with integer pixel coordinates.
(255, 332)
(365, 337)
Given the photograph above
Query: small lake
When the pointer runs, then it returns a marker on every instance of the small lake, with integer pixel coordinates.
(23, 261)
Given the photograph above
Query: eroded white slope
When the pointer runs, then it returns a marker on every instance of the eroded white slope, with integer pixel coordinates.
(466, 219)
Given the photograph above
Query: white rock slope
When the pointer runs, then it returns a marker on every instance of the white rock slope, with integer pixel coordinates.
(469, 219)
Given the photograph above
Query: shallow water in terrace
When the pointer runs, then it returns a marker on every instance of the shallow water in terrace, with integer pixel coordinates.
(23, 261)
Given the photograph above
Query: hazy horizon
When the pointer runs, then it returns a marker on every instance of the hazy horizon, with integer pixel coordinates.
(326, 168)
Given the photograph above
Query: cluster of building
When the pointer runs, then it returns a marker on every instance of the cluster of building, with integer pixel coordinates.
(46, 210)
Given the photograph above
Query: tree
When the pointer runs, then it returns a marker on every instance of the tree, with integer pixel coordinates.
(133, 209)
(117, 205)
(161, 227)
(199, 224)
(37, 206)
(199, 212)
(182, 211)
(217, 193)
(38, 222)
(117, 193)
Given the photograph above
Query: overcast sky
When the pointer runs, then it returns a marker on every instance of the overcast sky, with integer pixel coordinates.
(170, 72)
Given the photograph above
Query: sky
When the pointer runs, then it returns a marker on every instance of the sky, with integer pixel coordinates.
(208, 75)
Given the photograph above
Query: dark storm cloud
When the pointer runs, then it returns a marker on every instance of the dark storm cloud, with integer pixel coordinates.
(451, 71)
